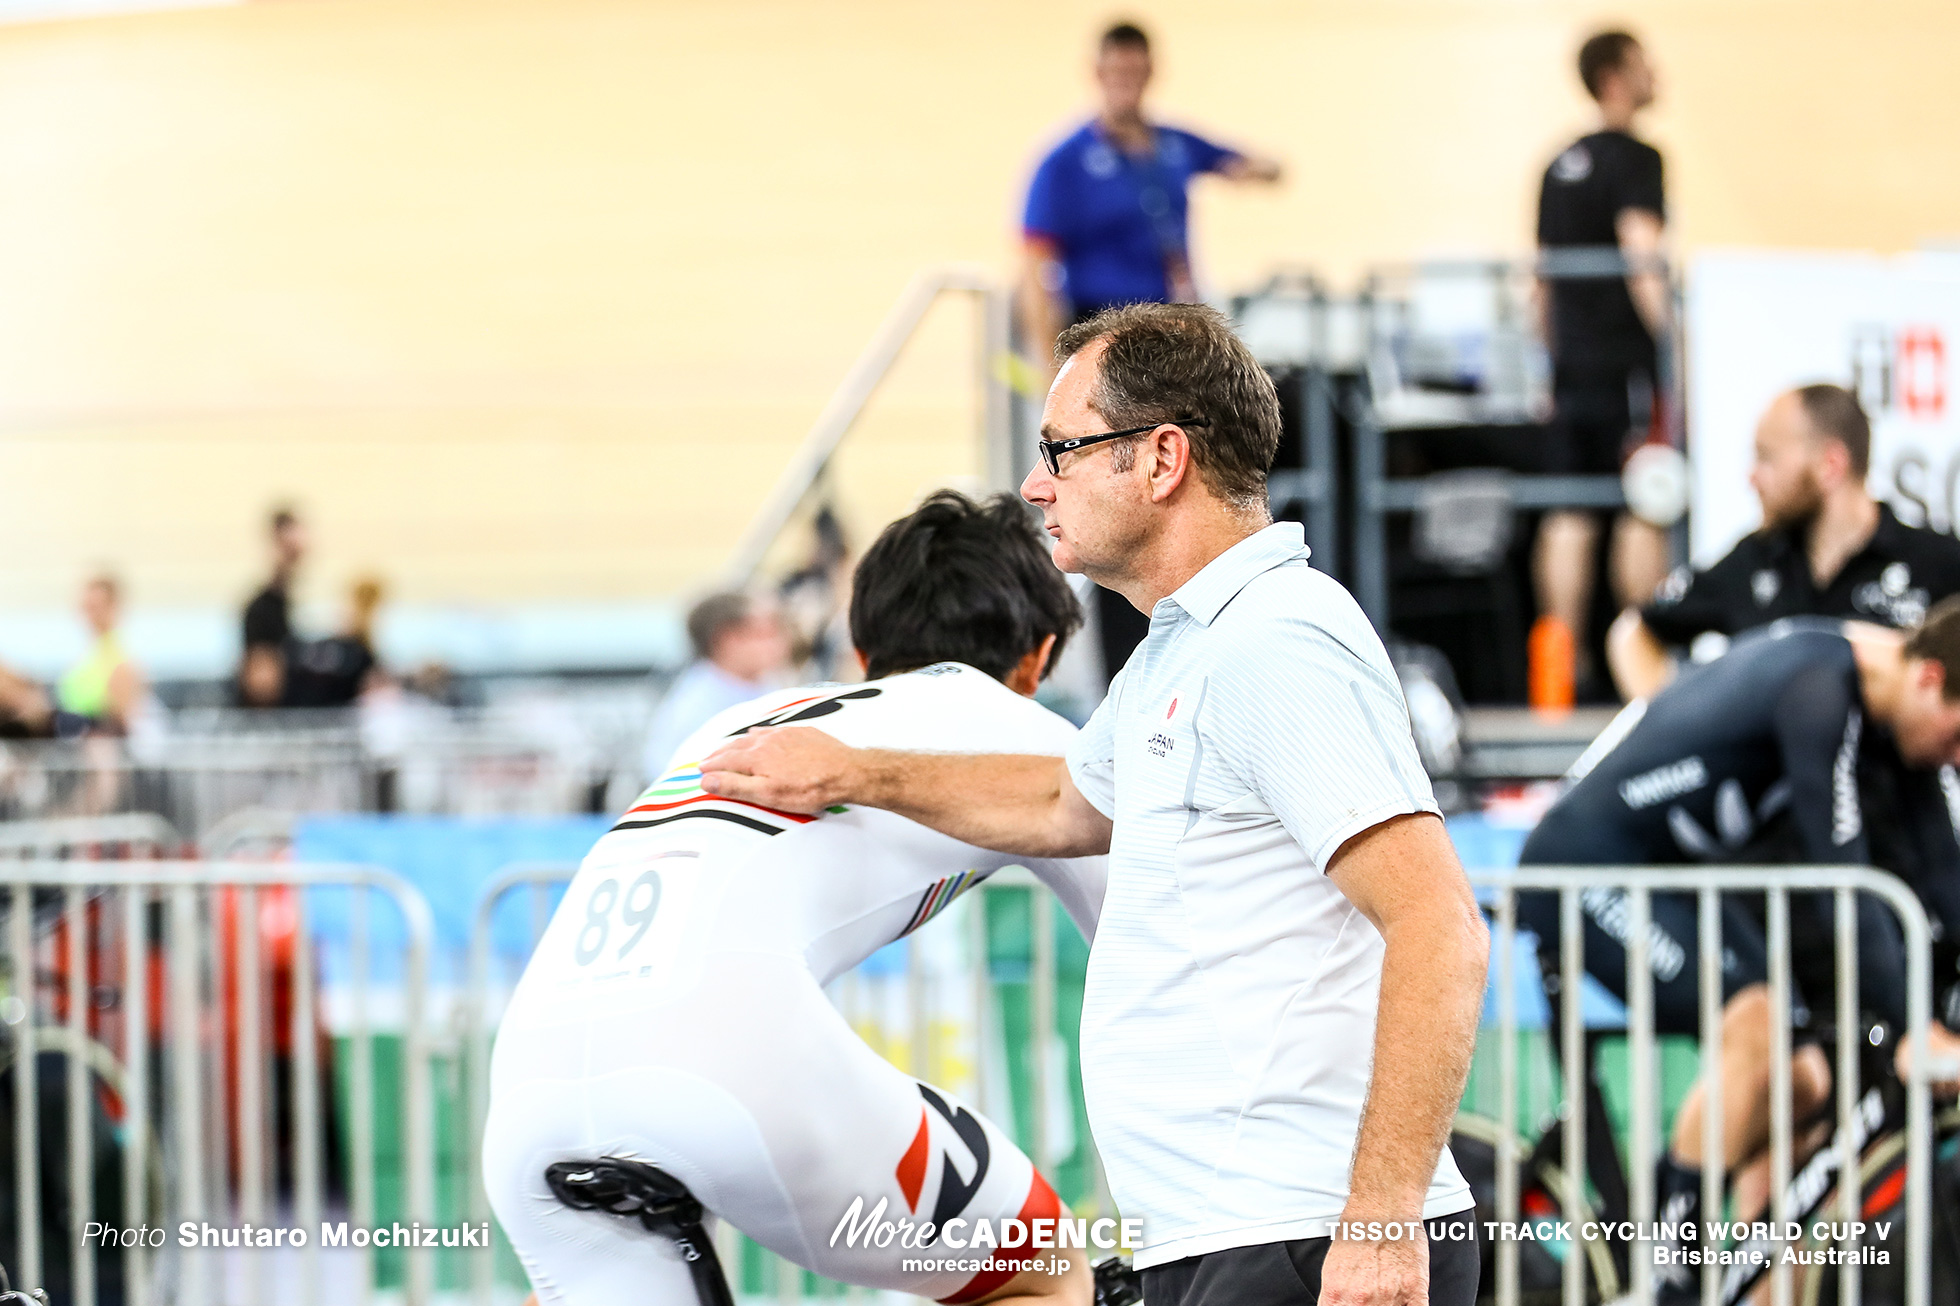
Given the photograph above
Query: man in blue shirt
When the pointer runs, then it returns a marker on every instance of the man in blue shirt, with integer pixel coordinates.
(1107, 224)
(1106, 214)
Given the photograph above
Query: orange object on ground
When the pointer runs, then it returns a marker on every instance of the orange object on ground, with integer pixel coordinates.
(1551, 673)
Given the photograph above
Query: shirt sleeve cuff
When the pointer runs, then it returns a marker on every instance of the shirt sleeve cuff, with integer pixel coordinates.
(1368, 820)
(1097, 789)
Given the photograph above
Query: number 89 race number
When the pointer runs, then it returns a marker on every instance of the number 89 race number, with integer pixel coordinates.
(636, 908)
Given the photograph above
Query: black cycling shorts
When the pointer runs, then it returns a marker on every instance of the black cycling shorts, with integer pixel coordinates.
(1596, 420)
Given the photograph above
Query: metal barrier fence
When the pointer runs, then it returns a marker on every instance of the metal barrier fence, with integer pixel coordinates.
(191, 781)
(216, 1040)
(1776, 884)
(127, 834)
(556, 749)
(190, 989)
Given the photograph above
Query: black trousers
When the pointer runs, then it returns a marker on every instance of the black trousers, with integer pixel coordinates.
(1600, 412)
(1288, 1273)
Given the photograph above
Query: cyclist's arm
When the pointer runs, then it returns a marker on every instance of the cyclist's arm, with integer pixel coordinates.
(1819, 724)
(1881, 959)
(1026, 805)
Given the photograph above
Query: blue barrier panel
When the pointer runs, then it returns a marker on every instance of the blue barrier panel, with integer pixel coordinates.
(1483, 845)
(451, 860)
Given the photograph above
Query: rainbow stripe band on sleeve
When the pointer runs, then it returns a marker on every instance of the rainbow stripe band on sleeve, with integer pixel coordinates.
(940, 896)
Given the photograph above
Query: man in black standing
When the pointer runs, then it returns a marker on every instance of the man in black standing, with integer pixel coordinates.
(1604, 191)
(268, 633)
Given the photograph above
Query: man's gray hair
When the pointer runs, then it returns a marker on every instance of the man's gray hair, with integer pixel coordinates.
(1161, 362)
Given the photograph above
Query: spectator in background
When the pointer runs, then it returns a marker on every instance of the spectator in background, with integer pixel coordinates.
(268, 618)
(1826, 548)
(1107, 223)
(103, 693)
(740, 650)
(1605, 190)
(334, 672)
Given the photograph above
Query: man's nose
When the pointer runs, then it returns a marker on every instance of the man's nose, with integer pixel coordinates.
(1037, 486)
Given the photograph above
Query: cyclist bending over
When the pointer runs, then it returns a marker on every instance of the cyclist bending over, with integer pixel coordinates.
(1781, 729)
(674, 1016)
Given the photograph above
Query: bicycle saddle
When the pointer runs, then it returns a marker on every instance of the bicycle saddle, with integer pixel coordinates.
(661, 1203)
(1116, 1283)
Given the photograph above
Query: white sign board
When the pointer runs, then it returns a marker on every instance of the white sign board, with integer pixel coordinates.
(1760, 323)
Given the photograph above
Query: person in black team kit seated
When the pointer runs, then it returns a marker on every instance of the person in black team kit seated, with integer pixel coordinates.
(1809, 723)
(1603, 191)
(1826, 547)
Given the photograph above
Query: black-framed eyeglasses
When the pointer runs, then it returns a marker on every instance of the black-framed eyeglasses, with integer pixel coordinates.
(1052, 450)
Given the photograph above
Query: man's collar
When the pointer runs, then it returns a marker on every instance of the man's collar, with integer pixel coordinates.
(1218, 582)
(1889, 534)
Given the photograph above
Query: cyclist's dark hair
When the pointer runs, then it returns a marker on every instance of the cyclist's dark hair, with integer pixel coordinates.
(959, 581)
(1836, 414)
(1125, 34)
(1938, 640)
(1603, 54)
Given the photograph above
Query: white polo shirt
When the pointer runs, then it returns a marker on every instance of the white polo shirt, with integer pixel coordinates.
(1229, 1021)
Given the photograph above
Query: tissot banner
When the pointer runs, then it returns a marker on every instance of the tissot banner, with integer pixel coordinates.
(1760, 322)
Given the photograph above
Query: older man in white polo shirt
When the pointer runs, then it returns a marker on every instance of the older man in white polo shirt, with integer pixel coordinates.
(1284, 990)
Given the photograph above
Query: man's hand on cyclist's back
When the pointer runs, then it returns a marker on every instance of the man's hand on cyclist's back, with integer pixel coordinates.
(789, 768)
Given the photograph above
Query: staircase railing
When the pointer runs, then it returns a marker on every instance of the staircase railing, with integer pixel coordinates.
(853, 395)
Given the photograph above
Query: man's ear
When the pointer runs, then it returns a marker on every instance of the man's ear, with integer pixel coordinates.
(1833, 462)
(1170, 452)
(1931, 675)
(1025, 676)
